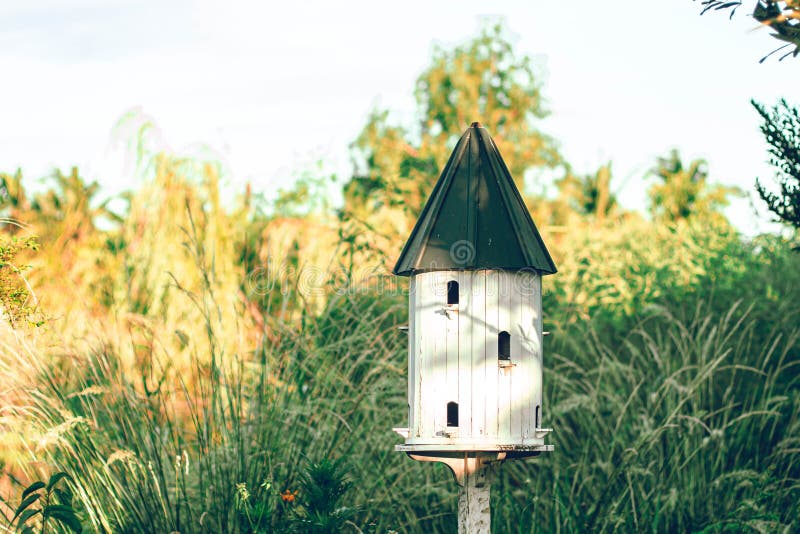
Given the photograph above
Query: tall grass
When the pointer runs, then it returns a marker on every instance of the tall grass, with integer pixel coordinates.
(688, 420)
(197, 399)
(151, 454)
(681, 426)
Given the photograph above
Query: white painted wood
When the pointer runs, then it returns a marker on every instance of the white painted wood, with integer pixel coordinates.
(536, 372)
(490, 343)
(540, 359)
(532, 324)
(465, 327)
(419, 320)
(438, 369)
(451, 334)
(413, 333)
(429, 305)
(453, 357)
(478, 349)
(474, 515)
(504, 394)
(520, 356)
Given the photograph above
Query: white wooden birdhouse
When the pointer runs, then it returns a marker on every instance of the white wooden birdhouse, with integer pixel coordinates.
(476, 261)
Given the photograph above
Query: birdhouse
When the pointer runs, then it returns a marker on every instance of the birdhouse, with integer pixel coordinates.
(475, 261)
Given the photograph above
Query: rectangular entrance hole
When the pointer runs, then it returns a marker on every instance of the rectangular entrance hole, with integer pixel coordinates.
(452, 414)
(452, 293)
(504, 346)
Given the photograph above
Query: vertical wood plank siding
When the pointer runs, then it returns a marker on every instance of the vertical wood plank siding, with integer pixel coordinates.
(453, 357)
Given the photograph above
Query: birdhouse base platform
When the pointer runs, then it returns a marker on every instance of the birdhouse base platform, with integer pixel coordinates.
(464, 463)
(465, 457)
(476, 447)
(453, 445)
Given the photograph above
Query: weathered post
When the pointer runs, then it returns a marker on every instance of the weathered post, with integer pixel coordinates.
(473, 503)
(475, 261)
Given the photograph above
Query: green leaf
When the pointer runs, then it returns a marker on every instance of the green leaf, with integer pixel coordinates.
(55, 478)
(36, 486)
(26, 515)
(64, 514)
(765, 12)
(25, 503)
(64, 495)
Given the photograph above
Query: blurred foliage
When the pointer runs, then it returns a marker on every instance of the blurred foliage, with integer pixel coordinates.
(67, 210)
(74, 262)
(396, 166)
(483, 80)
(682, 191)
(781, 129)
(668, 380)
(620, 269)
(781, 16)
(309, 194)
(16, 298)
(587, 197)
(13, 199)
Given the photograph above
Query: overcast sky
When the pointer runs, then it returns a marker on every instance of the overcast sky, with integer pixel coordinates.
(273, 87)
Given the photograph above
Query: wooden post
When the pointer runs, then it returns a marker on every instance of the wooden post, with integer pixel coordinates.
(474, 516)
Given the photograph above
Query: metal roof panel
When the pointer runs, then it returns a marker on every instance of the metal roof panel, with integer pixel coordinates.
(475, 217)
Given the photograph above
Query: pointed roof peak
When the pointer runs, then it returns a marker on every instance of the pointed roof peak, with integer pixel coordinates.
(475, 217)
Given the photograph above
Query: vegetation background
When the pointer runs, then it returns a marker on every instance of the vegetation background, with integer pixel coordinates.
(195, 365)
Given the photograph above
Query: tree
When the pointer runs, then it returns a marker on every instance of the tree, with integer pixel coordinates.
(484, 81)
(480, 81)
(589, 195)
(14, 203)
(781, 129)
(783, 17)
(683, 191)
(395, 167)
(67, 211)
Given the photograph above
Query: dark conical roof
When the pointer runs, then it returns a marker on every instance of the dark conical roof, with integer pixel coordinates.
(475, 217)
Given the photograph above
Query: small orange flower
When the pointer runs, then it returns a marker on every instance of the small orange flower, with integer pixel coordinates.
(288, 496)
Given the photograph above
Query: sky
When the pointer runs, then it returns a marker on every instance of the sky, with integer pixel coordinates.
(271, 88)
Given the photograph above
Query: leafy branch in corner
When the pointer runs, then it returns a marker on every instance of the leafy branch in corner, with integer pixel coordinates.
(41, 503)
(781, 129)
(783, 17)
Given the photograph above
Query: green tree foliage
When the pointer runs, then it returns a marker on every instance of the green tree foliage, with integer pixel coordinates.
(781, 129)
(683, 191)
(783, 17)
(17, 301)
(68, 210)
(66, 218)
(482, 80)
(14, 203)
(308, 196)
(16, 298)
(587, 196)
